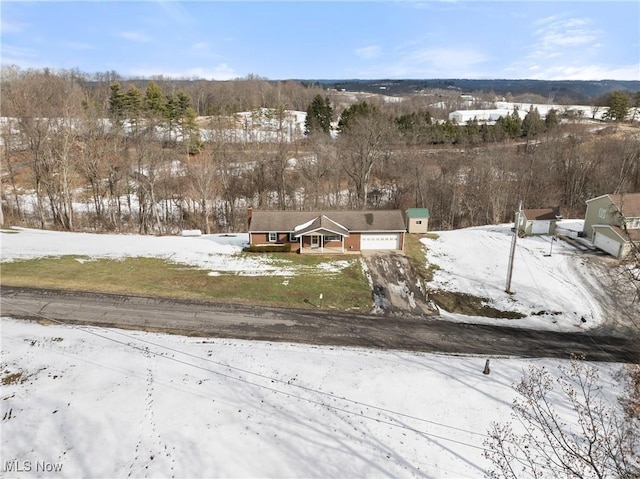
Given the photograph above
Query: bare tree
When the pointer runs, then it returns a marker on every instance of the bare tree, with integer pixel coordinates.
(361, 146)
(587, 438)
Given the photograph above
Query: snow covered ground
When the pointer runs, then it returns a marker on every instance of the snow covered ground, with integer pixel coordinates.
(546, 289)
(217, 253)
(109, 403)
(96, 402)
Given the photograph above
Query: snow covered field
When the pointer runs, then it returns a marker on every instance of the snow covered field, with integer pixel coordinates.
(546, 289)
(217, 253)
(108, 403)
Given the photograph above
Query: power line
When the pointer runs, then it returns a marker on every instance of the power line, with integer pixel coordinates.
(146, 350)
(269, 388)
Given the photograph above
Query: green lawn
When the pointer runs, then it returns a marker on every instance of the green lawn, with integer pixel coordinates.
(345, 290)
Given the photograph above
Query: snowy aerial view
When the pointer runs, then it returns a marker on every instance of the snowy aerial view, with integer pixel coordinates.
(99, 402)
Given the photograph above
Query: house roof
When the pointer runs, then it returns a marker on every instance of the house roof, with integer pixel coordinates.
(630, 235)
(321, 223)
(418, 213)
(540, 214)
(361, 220)
(628, 203)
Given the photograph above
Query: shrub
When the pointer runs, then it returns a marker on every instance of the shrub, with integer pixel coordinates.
(269, 248)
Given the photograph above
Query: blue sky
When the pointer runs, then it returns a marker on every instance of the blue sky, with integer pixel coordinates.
(586, 40)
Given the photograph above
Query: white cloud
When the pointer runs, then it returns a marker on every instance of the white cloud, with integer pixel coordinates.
(200, 46)
(77, 45)
(22, 57)
(219, 72)
(431, 63)
(369, 52)
(559, 35)
(11, 27)
(438, 62)
(135, 36)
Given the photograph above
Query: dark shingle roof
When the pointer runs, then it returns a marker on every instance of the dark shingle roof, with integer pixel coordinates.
(367, 220)
(540, 214)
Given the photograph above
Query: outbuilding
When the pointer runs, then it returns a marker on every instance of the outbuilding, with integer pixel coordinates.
(417, 220)
(541, 221)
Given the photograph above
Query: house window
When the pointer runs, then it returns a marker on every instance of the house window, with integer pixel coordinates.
(331, 238)
(633, 223)
(292, 238)
(273, 237)
(602, 213)
(418, 222)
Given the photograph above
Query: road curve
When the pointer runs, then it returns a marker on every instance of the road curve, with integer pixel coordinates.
(200, 318)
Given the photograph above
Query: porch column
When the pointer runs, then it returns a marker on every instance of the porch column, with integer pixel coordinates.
(342, 237)
(322, 243)
(300, 244)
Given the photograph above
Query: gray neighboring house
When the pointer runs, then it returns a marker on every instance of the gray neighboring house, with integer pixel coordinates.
(612, 222)
(541, 221)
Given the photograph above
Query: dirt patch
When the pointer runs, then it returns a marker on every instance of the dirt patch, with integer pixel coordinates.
(12, 378)
(397, 288)
(470, 305)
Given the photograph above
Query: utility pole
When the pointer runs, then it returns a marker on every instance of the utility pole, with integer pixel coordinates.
(513, 249)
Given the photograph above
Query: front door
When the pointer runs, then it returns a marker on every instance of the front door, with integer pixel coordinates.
(315, 241)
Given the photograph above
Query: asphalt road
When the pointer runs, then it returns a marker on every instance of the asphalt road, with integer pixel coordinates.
(197, 318)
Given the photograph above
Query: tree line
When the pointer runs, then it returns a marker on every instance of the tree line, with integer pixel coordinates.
(119, 156)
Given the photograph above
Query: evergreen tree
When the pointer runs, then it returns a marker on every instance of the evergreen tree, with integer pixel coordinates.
(618, 104)
(357, 110)
(551, 120)
(116, 102)
(319, 114)
(154, 103)
(532, 123)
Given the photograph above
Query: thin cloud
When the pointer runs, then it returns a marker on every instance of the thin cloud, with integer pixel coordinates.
(558, 34)
(11, 27)
(21, 57)
(135, 36)
(432, 63)
(200, 46)
(219, 72)
(77, 46)
(369, 52)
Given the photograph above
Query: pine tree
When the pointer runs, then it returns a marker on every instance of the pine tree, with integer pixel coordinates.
(319, 114)
(355, 111)
(532, 123)
(551, 120)
(116, 103)
(618, 104)
(154, 103)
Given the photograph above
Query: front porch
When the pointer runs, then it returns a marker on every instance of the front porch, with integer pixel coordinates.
(327, 250)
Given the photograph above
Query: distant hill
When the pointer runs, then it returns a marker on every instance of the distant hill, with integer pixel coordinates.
(577, 91)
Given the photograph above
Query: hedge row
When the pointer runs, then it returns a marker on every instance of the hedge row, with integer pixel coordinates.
(269, 248)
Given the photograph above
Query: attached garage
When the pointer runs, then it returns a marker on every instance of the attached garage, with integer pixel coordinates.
(606, 240)
(369, 241)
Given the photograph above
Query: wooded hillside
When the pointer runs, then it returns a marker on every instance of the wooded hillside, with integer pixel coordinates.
(104, 154)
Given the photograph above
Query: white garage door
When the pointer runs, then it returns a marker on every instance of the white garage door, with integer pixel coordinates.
(540, 227)
(380, 241)
(606, 244)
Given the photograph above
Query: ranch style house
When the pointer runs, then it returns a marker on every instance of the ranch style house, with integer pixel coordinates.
(328, 231)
